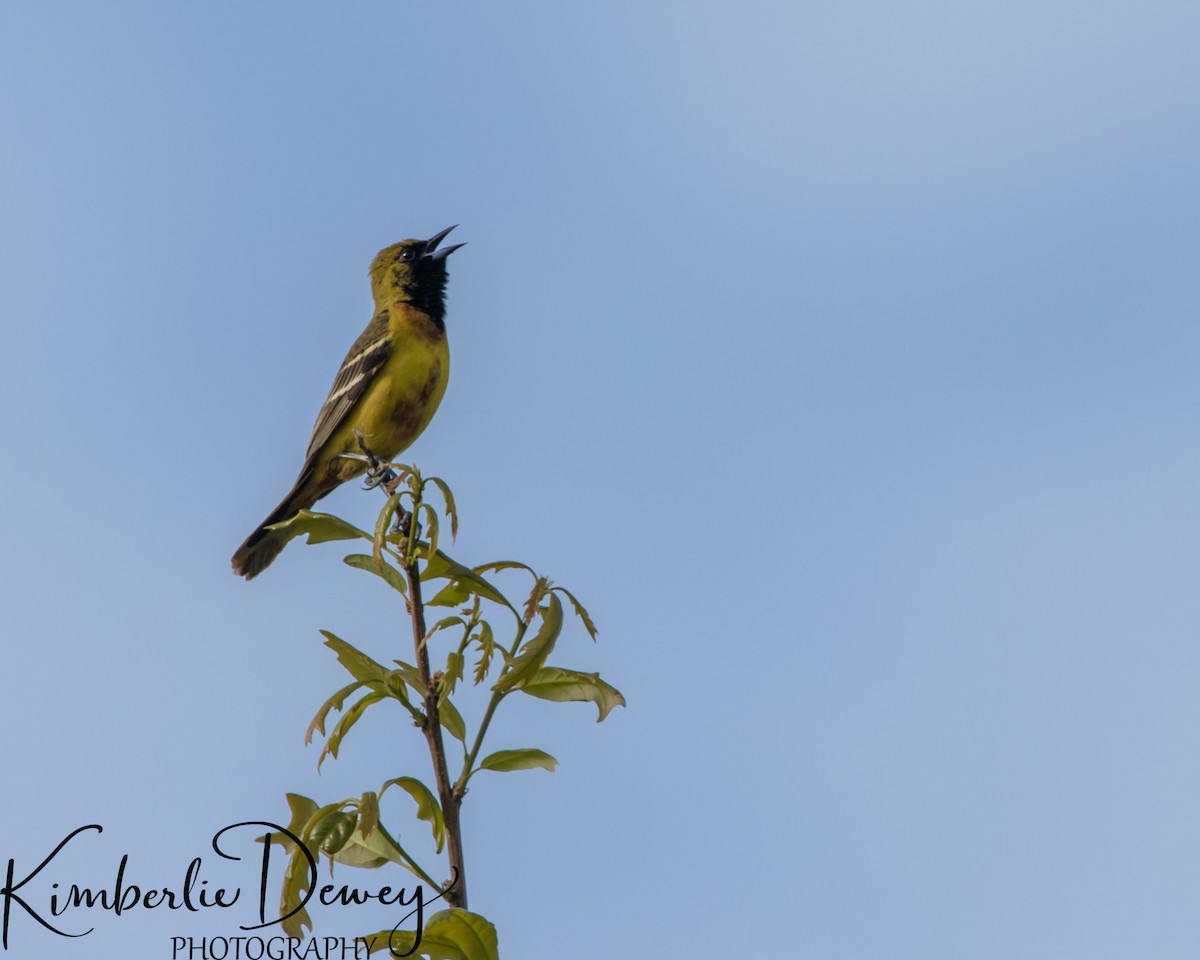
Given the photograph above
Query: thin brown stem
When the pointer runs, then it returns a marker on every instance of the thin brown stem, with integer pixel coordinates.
(450, 800)
(493, 703)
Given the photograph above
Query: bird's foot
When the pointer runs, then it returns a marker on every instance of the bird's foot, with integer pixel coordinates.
(380, 475)
(404, 525)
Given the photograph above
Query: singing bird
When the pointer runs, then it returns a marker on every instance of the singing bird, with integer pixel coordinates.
(387, 389)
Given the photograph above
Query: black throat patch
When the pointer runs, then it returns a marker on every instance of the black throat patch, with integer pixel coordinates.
(426, 289)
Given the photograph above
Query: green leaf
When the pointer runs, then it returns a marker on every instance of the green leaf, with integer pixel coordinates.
(452, 720)
(451, 510)
(410, 675)
(580, 611)
(297, 881)
(333, 703)
(445, 622)
(320, 527)
(364, 561)
(534, 653)
(487, 649)
(540, 588)
(356, 853)
(441, 566)
(428, 808)
(451, 595)
(330, 833)
(397, 686)
(302, 809)
(357, 663)
(498, 565)
(448, 935)
(372, 851)
(368, 813)
(348, 720)
(505, 760)
(451, 675)
(431, 525)
(383, 523)
(381, 526)
(406, 474)
(554, 683)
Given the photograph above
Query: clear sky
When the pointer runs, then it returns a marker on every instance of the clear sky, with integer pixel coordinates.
(841, 356)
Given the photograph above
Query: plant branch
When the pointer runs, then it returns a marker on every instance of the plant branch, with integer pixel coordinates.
(449, 798)
(493, 703)
(382, 474)
(412, 864)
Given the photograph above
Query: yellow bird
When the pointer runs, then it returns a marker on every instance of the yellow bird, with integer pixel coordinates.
(388, 388)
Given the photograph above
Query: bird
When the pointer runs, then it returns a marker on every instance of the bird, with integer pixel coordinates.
(386, 390)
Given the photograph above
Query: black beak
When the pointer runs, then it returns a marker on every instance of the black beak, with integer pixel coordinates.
(432, 244)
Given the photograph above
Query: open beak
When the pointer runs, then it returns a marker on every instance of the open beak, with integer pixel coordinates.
(432, 244)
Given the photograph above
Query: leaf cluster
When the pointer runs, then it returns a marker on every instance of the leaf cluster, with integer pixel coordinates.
(505, 644)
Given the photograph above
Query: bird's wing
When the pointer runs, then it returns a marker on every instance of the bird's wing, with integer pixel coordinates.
(369, 353)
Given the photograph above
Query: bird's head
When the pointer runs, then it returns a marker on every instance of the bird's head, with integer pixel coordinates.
(413, 271)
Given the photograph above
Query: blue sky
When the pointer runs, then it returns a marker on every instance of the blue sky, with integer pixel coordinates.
(840, 356)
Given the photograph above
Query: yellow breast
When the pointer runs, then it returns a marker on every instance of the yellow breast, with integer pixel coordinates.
(404, 394)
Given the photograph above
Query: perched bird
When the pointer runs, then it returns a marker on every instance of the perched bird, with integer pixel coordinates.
(387, 389)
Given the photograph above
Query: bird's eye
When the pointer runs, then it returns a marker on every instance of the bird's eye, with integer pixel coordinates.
(407, 253)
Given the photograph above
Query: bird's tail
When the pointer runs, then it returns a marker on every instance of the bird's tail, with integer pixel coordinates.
(263, 545)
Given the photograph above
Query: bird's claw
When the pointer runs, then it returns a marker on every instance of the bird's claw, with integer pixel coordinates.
(404, 525)
(379, 475)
